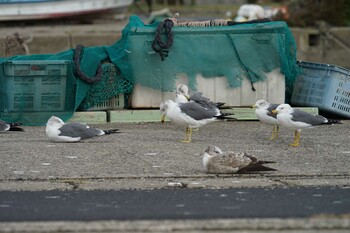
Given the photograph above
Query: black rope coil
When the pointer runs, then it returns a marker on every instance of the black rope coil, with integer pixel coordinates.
(158, 45)
(78, 51)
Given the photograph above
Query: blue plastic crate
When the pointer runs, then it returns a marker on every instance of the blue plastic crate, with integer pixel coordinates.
(324, 86)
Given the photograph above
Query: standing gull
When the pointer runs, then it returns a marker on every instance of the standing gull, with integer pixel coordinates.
(263, 111)
(295, 119)
(59, 131)
(182, 96)
(191, 115)
(4, 126)
(216, 161)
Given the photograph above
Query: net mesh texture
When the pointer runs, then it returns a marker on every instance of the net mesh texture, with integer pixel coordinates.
(234, 51)
(86, 77)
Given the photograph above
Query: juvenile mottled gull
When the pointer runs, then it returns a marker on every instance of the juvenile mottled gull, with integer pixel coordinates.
(59, 131)
(295, 119)
(191, 115)
(4, 126)
(216, 161)
(263, 111)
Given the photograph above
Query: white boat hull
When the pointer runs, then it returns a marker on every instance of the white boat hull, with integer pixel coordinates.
(58, 9)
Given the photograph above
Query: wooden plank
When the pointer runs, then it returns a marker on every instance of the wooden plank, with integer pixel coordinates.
(92, 117)
(154, 115)
(134, 116)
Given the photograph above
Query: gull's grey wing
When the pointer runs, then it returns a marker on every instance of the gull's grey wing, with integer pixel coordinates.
(197, 112)
(3, 126)
(299, 115)
(270, 108)
(202, 100)
(79, 130)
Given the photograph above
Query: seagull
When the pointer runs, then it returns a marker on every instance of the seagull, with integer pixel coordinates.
(4, 126)
(295, 119)
(263, 111)
(182, 96)
(216, 161)
(191, 115)
(58, 131)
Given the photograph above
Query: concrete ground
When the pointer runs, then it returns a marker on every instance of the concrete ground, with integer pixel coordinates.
(151, 156)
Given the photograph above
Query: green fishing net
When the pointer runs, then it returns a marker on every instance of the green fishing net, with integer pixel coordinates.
(234, 51)
(34, 87)
(111, 84)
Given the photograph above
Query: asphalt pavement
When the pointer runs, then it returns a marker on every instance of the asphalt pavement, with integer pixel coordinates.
(150, 156)
(174, 204)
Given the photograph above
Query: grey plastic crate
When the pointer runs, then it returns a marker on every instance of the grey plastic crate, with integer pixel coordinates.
(324, 86)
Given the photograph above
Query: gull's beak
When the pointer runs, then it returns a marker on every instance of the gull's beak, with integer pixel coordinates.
(187, 97)
(274, 111)
(162, 119)
(253, 106)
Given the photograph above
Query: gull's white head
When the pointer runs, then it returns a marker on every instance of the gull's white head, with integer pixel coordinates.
(261, 104)
(283, 108)
(213, 151)
(182, 89)
(180, 98)
(55, 122)
(164, 107)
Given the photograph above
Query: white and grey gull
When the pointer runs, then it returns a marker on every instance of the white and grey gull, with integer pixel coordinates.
(58, 131)
(6, 126)
(297, 120)
(183, 96)
(263, 111)
(191, 115)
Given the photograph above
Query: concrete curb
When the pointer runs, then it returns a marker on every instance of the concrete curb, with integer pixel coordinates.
(171, 182)
(315, 224)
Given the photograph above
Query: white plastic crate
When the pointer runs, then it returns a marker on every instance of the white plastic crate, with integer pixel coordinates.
(35, 85)
(324, 86)
(116, 102)
(218, 90)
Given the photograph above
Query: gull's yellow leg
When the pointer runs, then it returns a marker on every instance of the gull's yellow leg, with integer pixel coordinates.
(274, 134)
(296, 138)
(188, 135)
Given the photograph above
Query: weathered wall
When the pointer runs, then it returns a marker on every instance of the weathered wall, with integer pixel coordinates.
(330, 46)
(55, 39)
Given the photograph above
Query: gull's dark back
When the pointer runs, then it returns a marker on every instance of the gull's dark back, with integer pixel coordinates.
(5, 126)
(197, 111)
(204, 101)
(79, 130)
(299, 115)
(270, 108)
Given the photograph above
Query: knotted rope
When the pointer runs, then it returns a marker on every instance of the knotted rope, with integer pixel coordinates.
(78, 51)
